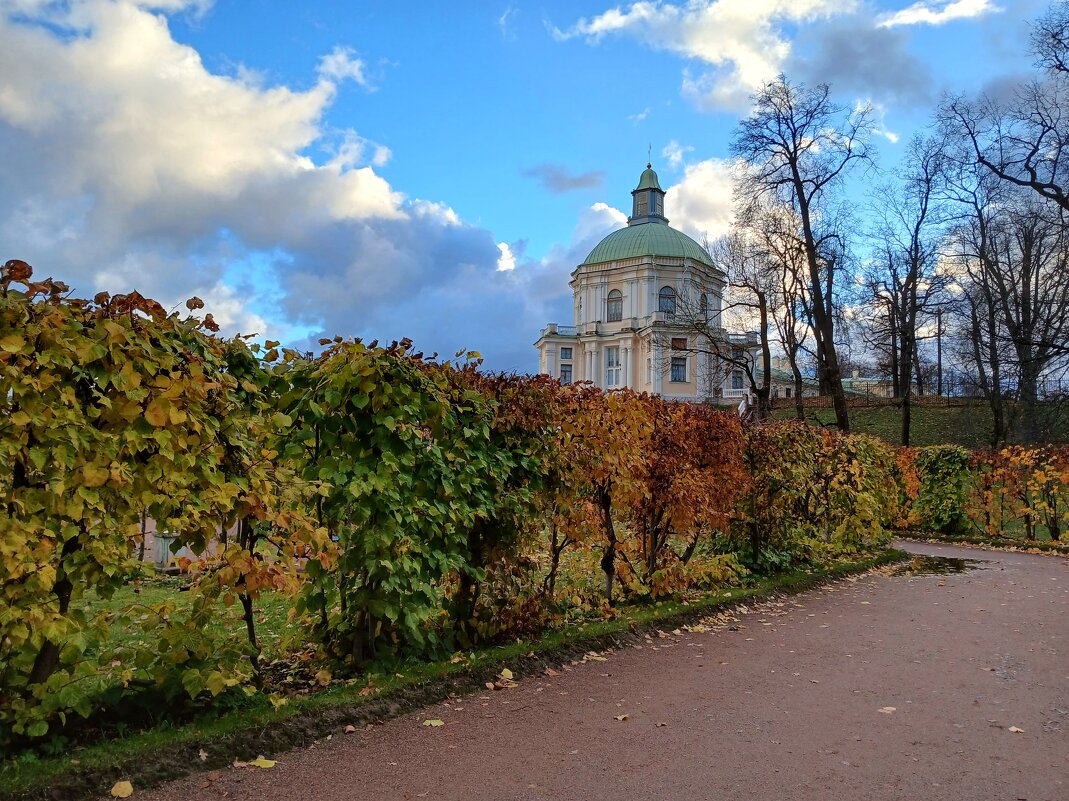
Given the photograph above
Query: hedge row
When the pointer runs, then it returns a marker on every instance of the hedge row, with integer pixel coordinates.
(408, 506)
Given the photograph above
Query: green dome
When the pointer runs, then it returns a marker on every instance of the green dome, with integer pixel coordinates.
(648, 239)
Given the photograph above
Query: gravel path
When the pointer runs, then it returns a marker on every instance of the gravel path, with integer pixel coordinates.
(879, 687)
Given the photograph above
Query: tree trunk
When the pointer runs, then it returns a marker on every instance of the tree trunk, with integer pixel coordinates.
(47, 660)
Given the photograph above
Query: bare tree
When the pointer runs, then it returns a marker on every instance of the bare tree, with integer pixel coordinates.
(1023, 139)
(1013, 249)
(904, 278)
(798, 145)
(776, 231)
(747, 300)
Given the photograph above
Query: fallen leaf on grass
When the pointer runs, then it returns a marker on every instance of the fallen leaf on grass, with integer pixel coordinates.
(506, 674)
(621, 717)
(122, 790)
(435, 723)
(260, 762)
(1016, 730)
(203, 755)
(887, 710)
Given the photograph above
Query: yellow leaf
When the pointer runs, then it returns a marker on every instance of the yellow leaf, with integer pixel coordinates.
(434, 723)
(157, 413)
(122, 790)
(12, 343)
(506, 674)
(260, 762)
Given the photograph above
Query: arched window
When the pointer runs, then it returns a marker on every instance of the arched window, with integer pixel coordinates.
(666, 300)
(614, 312)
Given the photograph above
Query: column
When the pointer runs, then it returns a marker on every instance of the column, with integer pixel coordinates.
(626, 365)
(658, 370)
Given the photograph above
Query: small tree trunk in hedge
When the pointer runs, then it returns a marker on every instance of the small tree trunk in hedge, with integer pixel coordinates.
(250, 628)
(247, 537)
(556, 547)
(608, 556)
(464, 604)
(47, 659)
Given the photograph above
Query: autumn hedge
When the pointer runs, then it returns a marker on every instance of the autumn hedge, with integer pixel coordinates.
(407, 506)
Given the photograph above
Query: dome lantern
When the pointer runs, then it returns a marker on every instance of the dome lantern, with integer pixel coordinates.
(648, 200)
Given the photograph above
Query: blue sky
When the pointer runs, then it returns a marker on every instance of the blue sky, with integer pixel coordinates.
(431, 169)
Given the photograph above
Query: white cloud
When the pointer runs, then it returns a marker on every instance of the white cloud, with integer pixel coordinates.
(676, 153)
(129, 164)
(342, 63)
(504, 23)
(701, 204)
(922, 13)
(507, 259)
(740, 40)
(637, 118)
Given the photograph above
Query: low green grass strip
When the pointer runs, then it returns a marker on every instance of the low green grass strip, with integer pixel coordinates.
(151, 757)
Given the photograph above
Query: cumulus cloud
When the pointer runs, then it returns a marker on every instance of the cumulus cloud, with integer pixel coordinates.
(132, 165)
(676, 153)
(557, 179)
(701, 204)
(342, 63)
(922, 13)
(741, 43)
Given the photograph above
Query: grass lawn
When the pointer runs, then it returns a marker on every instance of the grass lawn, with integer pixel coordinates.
(929, 425)
(274, 629)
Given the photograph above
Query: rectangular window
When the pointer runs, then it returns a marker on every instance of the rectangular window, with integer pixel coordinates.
(612, 366)
(736, 379)
(679, 343)
(566, 374)
(679, 368)
(788, 392)
(566, 353)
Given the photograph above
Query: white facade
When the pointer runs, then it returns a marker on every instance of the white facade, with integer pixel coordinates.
(628, 307)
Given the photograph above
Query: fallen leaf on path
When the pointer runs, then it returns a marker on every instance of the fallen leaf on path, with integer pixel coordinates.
(214, 776)
(1016, 730)
(260, 762)
(490, 685)
(435, 723)
(659, 725)
(122, 790)
(551, 672)
(621, 717)
(350, 729)
(887, 710)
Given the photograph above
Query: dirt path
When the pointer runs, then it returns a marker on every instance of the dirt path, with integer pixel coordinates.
(791, 701)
